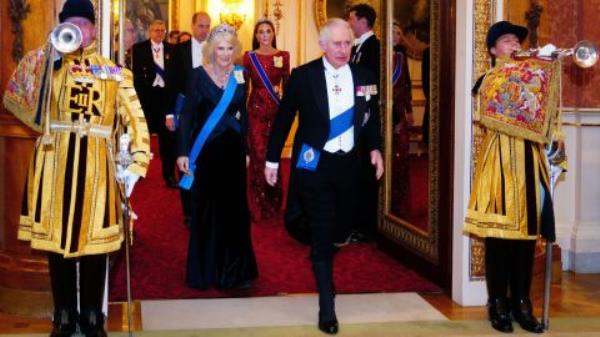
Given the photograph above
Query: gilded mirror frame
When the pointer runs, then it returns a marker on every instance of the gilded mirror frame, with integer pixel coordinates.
(424, 243)
(321, 12)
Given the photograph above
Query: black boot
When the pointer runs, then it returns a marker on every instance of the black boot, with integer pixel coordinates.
(329, 325)
(92, 323)
(496, 278)
(323, 276)
(64, 323)
(63, 278)
(520, 286)
(523, 314)
(92, 273)
(500, 315)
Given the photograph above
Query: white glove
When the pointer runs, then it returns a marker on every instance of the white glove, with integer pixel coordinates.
(128, 179)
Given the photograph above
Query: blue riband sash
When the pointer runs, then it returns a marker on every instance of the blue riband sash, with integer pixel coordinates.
(263, 76)
(309, 156)
(159, 70)
(341, 123)
(397, 69)
(214, 118)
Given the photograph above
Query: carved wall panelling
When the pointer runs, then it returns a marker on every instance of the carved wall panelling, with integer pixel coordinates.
(484, 16)
(18, 12)
(24, 283)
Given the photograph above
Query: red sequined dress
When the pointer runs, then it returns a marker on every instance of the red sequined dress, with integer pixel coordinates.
(264, 200)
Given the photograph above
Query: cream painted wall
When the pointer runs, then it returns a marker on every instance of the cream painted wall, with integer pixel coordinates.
(464, 290)
(577, 194)
(187, 8)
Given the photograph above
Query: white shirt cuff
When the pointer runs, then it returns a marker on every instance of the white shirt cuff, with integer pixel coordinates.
(169, 116)
(272, 165)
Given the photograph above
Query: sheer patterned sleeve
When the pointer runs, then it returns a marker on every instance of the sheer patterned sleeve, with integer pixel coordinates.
(285, 71)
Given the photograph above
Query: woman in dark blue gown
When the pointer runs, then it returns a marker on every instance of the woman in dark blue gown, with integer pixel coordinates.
(220, 250)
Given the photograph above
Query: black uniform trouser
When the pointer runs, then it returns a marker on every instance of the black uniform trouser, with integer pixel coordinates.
(368, 195)
(63, 276)
(329, 198)
(155, 111)
(168, 156)
(509, 265)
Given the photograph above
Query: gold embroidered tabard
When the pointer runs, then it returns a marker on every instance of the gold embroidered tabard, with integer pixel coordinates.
(517, 108)
(498, 202)
(72, 203)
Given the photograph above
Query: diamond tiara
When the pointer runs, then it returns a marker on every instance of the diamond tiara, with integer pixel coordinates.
(222, 28)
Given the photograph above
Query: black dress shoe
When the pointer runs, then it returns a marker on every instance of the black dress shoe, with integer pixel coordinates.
(523, 314)
(64, 323)
(329, 326)
(500, 315)
(358, 237)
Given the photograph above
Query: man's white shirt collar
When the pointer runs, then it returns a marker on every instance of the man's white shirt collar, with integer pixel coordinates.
(332, 69)
(363, 38)
(197, 52)
(155, 45)
(197, 43)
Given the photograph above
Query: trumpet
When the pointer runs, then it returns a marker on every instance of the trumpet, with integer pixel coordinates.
(66, 38)
(584, 54)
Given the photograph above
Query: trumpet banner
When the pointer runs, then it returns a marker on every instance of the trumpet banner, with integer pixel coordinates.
(25, 89)
(519, 98)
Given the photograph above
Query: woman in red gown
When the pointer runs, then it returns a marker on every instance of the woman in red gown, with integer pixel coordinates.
(263, 103)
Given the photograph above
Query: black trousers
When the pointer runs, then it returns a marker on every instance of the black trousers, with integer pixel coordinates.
(155, 110)
(168, 156)
(509, 267)
(63, 277)
(328, 197)
(368, 195)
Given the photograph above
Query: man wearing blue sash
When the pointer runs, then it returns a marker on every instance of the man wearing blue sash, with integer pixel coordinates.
(337, 107)
(154, 78)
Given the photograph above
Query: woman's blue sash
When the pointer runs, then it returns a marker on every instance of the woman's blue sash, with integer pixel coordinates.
(214, 118)
(397, 69)
(263, 76)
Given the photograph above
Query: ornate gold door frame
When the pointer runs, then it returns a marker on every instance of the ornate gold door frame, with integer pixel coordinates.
(484, 14)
